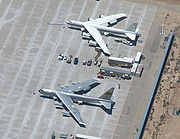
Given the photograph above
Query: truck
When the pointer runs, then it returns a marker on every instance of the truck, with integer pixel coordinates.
(134, 68)
(138, 57)
(121, 62)
(76, 61)
(69, 59)
(139, 70)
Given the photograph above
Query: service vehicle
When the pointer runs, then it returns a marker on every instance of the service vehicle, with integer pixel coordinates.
(100, 75)
(76, 61)
(69, 59)
(84, 62)
(126, 76)
(95, 62)
(89, 62)
(127, 42)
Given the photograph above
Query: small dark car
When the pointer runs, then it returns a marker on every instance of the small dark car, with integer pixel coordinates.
(89, 62)
(76, 61)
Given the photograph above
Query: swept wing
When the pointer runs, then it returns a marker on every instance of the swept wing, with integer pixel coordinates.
(106, 19)
(67, 101)
(97, 37)
(79, 86)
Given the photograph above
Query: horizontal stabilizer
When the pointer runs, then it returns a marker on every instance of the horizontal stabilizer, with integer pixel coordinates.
(107, 105)
(131, 36)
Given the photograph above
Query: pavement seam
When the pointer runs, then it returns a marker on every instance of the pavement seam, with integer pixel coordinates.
(28, 81)
(129, 87)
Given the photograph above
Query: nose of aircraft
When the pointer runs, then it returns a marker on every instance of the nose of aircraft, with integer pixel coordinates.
(68, 21)
(40, 90)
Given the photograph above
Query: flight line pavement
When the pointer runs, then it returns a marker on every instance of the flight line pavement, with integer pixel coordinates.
(28, 60)
(139, 92)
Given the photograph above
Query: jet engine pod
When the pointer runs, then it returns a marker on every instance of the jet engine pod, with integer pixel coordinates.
(58, 103)
(74, 83)
(82, 29)
(89, 19)
(66, 113)
(98, 49)
(112, 22)
(101, 16)
(86, 35)
(80, 102)
(106, 34)
(92, 43)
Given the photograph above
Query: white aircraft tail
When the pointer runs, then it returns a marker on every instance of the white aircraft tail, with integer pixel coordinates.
(108, 96)
(131, 36)
(132, 28)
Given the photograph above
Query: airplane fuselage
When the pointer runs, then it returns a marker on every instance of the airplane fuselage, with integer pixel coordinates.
(100, 28)
(74, 97)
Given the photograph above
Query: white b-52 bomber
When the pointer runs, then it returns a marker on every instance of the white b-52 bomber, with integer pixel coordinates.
(68, 94)
(93, 28)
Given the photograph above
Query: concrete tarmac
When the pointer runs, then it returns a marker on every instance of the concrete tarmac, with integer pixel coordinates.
(29, 48)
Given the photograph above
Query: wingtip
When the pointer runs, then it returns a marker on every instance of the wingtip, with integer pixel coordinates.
(82, 124)
(123, 14)
(107, 53)
(113, 87)
(97, 80)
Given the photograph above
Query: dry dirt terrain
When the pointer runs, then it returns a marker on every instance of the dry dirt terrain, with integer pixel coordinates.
(174, 2)
(162, 124)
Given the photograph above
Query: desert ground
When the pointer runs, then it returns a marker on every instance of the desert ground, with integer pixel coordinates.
(162, 124)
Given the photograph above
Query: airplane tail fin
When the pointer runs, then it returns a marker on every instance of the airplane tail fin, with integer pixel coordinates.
(108, 96)
(132, 28)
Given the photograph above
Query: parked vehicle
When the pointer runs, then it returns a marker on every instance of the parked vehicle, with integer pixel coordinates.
(84, 62)
(100, 62)
(89, 62)
(100, 75)
(65, 58)
(61, 57)
(128, 43)
(95, 62)
(76, 61)
(126, 76)
(69, 59)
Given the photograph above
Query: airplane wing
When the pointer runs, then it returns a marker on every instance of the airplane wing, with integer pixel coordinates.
(97, 37)
(67, 101)
(80, 86)
(106, 19)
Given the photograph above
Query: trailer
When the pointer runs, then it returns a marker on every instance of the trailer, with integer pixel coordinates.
(139, 70)
(134, 68)
(121, 62)
(113, 72)
(81, 136)
(138, 57)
